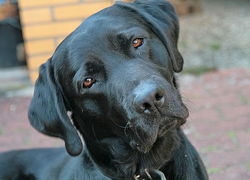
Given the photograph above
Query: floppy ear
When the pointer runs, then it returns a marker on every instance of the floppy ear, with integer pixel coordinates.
(161, 18)
(47, 111)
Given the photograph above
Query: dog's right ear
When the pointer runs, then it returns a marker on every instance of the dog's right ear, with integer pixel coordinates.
(48, 113)
(161, 18)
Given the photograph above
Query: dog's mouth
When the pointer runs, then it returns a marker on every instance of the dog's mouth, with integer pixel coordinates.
(169, 125)
(144, 138)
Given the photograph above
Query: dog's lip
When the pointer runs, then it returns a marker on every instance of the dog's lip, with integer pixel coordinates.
(168, 123)
(171, 124)
(167, 127)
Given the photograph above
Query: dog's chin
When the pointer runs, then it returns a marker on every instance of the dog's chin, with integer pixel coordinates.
(143, 148)
(148, 140)
(143, 142)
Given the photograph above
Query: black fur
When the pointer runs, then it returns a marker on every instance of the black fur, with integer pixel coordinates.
(129, 118)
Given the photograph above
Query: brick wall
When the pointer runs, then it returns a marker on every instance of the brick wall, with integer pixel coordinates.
(47, 22)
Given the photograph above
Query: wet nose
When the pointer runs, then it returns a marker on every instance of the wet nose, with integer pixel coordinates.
(149, 98)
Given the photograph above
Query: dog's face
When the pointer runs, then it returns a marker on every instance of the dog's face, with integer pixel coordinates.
(115, 73)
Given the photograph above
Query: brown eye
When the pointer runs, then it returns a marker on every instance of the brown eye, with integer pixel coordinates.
(137, 42)
(88, 82)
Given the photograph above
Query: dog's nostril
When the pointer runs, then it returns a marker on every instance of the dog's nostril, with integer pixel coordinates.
(146, 106)
(149, 100)
(142, 105)
(158, 96)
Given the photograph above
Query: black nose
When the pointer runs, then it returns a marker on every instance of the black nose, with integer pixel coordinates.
(149, 98)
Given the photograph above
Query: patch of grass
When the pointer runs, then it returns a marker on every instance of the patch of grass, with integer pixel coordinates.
(16, 87)
(211, 134)
(248, 165)
(232, 136)
(214, 170)
(243, 99)
(219, 112)
(215, 46)
(209, 149)
(199, 70)
(1, 131)
(2, 93)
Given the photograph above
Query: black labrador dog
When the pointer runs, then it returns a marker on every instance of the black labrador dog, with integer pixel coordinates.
(110, 93)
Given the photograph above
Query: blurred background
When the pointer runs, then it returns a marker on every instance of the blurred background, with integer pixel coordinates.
(215, 83)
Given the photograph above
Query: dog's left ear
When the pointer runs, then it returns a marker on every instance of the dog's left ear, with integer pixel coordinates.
(161, 18)
(48, 111)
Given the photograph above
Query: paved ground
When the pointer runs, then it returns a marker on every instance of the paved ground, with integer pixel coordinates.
(219, 36)
(219, 123)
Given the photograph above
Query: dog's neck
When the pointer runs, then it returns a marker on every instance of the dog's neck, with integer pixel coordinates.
(117, 160)
(114, 156)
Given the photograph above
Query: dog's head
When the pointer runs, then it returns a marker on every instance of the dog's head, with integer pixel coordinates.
(115, 74)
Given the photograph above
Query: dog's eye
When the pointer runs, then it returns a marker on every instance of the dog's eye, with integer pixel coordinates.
(88, 82)
(137, 42)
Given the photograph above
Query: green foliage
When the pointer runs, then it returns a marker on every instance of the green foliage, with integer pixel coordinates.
(199, 70)
(215, 46)
(209, 149)
(214, 170)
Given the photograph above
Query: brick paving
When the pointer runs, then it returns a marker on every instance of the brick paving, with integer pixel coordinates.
(218, 126)
(219, 122)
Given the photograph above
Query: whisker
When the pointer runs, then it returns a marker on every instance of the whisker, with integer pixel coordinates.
(137, 135)
(93, 130)
(125, 129)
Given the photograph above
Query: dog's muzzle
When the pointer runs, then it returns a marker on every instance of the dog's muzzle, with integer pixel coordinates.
(158, 108)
